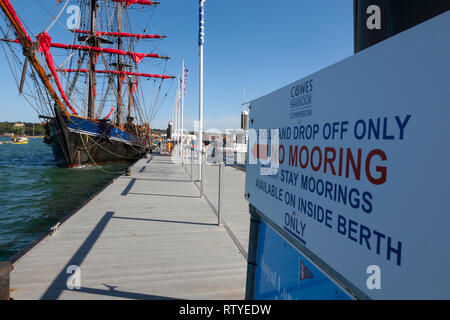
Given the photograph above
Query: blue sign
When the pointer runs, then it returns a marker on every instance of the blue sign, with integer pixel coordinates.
(283, 273)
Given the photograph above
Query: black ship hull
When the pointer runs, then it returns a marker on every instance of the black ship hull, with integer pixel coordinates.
(77, 141)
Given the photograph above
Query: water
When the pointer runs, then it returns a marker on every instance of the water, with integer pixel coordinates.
(35, 194)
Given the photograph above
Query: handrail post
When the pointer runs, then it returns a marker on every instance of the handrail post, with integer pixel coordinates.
(219, 205)
(202, 178)
(183, 159)
(181, 155)
(192, 164)
(5, 270)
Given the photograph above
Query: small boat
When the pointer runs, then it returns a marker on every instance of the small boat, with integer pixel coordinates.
(20, 140)
(16, 140)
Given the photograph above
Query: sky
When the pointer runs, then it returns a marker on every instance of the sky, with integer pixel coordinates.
(261, 45)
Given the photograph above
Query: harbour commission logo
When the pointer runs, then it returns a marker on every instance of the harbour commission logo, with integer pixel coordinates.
(301, 100)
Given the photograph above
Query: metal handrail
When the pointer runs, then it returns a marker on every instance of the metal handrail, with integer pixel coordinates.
(220, 165)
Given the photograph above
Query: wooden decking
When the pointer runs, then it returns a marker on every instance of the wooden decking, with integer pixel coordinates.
(146, 236)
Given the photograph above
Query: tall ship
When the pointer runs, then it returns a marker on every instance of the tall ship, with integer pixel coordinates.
(92, 99)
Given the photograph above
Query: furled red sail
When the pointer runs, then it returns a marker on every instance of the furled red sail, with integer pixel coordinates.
(122, 73)
(110, 113)
(44, 47)
(137, 57)
(125, 132)
(122, 34)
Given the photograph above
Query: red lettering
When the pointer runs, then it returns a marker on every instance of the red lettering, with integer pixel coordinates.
(293, 156)
(381, 169)
(356, 166)
(333, 163)
(329, 160)
(307, 157)
(281, 158)
(316, 168)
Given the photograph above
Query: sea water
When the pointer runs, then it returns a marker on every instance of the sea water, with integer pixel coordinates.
(35, 193)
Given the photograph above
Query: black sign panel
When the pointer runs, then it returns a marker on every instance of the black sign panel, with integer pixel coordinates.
(377, 20)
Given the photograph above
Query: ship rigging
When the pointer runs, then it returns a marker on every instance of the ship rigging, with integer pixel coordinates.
(93, 101)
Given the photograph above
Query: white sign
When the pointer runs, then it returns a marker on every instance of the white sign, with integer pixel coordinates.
(364, 164)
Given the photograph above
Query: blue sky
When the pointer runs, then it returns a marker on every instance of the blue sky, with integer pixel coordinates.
(260, 44)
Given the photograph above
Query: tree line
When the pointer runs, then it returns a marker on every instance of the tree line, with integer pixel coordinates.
(8, 127)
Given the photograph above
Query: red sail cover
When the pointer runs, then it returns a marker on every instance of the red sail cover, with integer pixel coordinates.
(137, 57)
(143, 2)
(44, 47)
(122, 73)
(122, 34)
(110, 113)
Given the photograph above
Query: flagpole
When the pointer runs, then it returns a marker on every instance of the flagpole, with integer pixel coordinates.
(200, 117)
(182, 100)
(176, 115)
(174, 128)
(175, 119)
(170, 127)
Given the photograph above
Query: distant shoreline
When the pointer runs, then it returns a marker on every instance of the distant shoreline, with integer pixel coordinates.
(31, 137)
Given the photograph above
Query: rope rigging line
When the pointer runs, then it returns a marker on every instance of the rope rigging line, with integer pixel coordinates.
(51, 16)
(153, 115)
(39, 98)
(38, 107)
(57, 17)
(114, 154)
(90, 157)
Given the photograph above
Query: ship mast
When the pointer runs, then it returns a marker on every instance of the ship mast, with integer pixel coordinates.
(119, 65)
(93, 41)
(130, 96)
